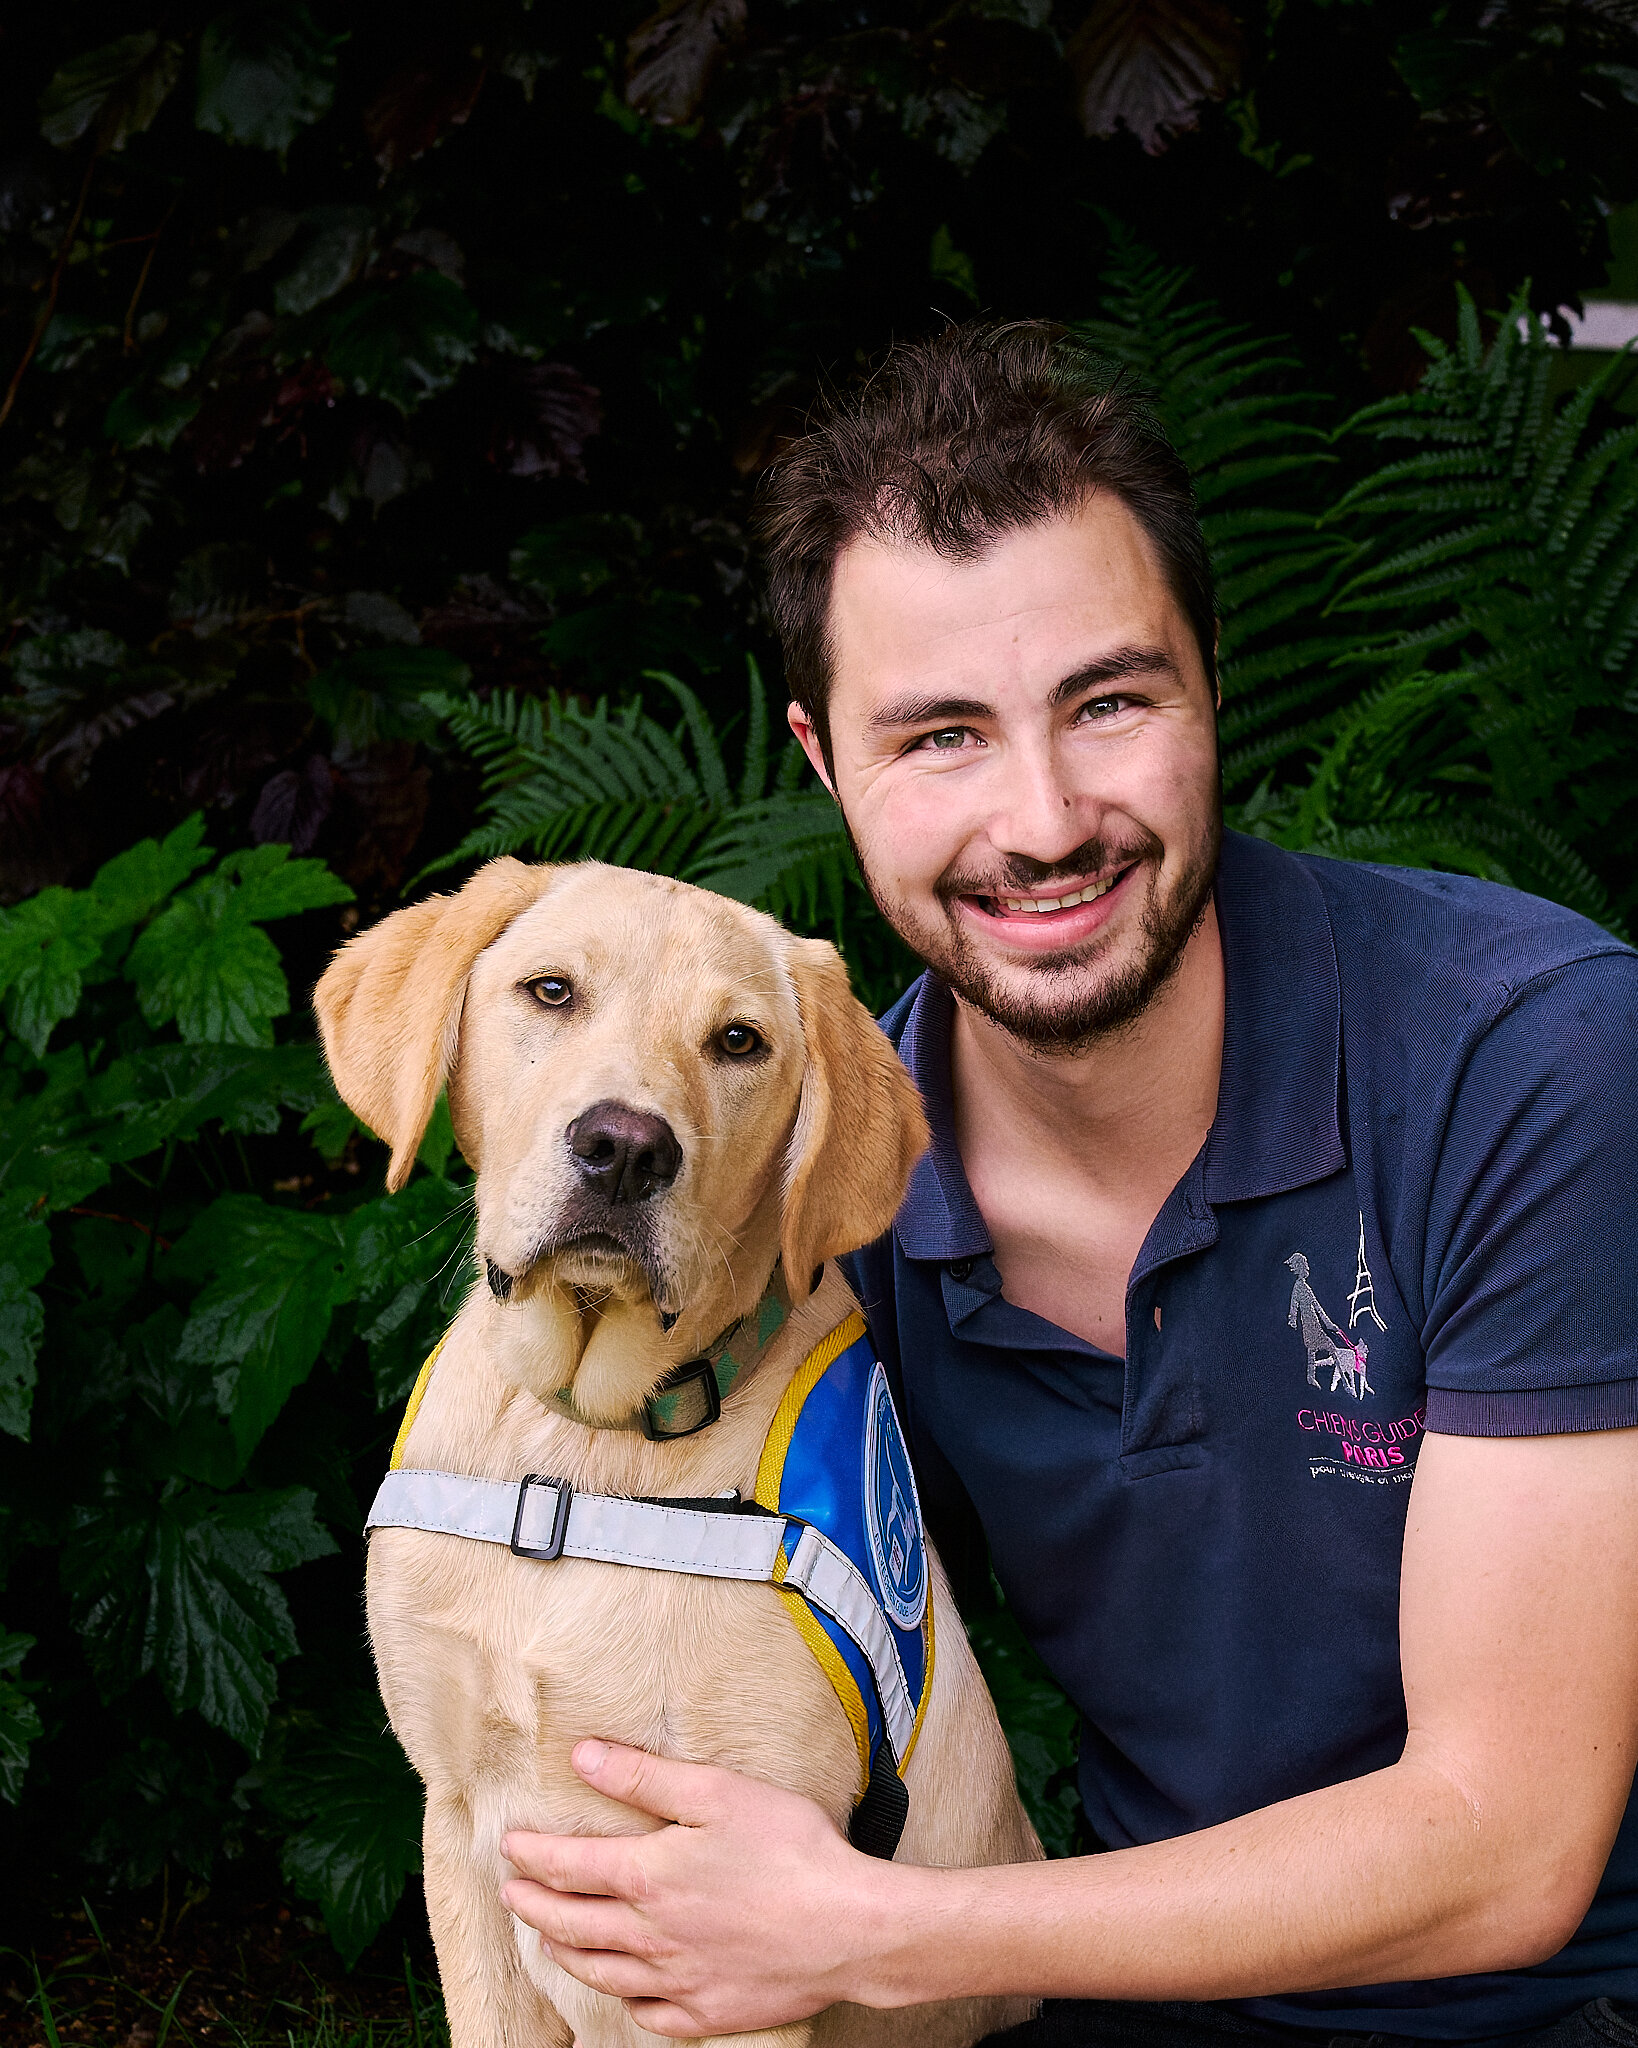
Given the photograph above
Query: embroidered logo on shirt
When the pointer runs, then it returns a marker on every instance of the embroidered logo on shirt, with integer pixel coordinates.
(1326, 1343)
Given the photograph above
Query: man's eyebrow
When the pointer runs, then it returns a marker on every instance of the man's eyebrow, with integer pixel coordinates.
(901, 711)
(1113, 668)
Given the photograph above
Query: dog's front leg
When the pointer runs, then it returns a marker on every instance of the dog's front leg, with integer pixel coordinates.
(490, 2000)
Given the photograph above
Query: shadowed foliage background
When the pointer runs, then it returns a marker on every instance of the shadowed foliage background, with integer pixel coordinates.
(381, 400)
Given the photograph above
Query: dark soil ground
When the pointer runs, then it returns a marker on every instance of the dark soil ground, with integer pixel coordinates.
(182, 1967)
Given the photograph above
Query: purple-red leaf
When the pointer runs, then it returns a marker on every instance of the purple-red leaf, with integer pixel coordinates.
(420, 104)
(672, 57)
(1147, 65)
(545, 413)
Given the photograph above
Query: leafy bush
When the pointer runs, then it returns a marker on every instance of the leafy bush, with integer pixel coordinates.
(332, 336)
(190, 1261)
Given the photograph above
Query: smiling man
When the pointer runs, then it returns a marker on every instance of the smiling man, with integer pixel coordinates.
(1265, 1301)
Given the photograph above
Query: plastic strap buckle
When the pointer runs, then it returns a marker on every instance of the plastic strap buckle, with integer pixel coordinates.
(560, 1517)
(698, 1373)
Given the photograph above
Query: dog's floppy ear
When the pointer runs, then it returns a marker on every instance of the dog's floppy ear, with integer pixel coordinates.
(859, 1127)
(389, 1003)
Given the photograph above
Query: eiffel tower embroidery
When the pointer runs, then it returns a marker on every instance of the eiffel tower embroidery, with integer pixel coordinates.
(1362, 1302)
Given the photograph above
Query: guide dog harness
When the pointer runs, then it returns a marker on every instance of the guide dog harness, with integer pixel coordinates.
(834, 1523)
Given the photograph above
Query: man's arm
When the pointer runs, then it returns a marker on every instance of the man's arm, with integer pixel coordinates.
(1480, 1849)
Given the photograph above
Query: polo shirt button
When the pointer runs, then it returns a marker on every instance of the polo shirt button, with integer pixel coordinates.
(961, 1269)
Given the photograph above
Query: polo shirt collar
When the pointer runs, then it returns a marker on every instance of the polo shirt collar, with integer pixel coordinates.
(1277, 1125)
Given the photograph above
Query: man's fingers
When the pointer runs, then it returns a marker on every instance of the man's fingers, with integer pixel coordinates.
(601, 1866)
(690, 1793)
(576, 1922)
(660, 2016)
(608, 1971)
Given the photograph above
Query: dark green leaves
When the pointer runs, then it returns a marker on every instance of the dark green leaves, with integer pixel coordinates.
(344, 1779)
(19, 1717)
(50, 941)
(182, 1587)
(265, 73)
(22, 1323)
(120, 87)
(409, 1255)
(273, 1277)
(375, 693)
(205, 962)
(404, 342)
(329, 250)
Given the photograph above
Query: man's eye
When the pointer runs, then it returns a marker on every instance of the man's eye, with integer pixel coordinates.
(1096, 708)
(949, 739)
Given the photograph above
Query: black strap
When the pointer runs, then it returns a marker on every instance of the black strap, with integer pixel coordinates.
(707, 1504)
(879, 1818)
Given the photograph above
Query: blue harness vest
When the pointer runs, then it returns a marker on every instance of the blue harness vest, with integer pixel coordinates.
(834, 1522)
(835, 1460)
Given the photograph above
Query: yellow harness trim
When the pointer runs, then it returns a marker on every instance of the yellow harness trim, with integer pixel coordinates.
(423, 1380)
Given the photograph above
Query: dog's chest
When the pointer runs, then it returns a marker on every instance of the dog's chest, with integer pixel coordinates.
(494, 1666)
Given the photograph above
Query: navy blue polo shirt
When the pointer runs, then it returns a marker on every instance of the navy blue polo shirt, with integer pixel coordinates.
(1415, 1210)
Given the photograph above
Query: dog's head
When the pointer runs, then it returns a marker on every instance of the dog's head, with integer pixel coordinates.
(659, 1090)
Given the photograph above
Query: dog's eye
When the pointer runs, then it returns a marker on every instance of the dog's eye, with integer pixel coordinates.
(552, 990)
(739, 1041)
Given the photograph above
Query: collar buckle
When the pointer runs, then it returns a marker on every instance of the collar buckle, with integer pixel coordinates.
(696, 1379)
(563, 1497)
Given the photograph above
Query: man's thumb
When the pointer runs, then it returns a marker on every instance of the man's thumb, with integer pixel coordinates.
(659, 1785)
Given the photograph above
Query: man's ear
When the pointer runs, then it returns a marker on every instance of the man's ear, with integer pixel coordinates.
(859, 1130)
(806, 728)
(389, 1003)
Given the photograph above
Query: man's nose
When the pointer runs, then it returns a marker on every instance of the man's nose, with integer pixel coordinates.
(1041, 813)
(625, 1154)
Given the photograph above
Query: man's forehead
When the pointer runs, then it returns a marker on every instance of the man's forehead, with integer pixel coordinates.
(1074, 587)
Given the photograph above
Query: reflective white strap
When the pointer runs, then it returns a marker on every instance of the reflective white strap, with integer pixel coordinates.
(609, 1530)
(601, 1527)
(833, 1582)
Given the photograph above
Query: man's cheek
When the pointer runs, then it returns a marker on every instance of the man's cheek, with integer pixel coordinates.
(910, 833)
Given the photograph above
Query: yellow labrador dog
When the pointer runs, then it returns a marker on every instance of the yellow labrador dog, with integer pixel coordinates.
(677, 1114)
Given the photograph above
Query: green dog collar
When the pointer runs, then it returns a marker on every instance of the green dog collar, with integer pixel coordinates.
(691, 1395)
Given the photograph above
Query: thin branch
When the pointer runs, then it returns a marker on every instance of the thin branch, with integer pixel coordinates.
(142, 276)
(50, 306)
(109, 1216)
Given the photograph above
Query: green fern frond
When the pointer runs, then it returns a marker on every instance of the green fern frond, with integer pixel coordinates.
(615, 784)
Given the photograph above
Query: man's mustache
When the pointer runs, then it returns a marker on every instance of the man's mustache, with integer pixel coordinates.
(1019, 875)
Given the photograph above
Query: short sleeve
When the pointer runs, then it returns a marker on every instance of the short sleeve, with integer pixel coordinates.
(1531, 1261)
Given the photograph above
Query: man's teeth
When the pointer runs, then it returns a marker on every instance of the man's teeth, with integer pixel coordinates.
(1089, 894)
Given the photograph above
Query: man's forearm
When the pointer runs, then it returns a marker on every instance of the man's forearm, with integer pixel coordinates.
(1396, 1875)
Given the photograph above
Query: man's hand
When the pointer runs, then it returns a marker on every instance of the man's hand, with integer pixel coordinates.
(748, 1911)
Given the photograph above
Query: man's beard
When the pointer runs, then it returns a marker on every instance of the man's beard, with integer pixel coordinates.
(1059, 1012)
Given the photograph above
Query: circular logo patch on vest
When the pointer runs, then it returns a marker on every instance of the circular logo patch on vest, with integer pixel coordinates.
(893, 1510)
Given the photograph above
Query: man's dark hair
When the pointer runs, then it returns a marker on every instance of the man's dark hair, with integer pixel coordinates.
(951, 443)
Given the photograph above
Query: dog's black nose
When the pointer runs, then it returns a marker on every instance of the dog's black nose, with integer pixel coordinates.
(626, 1153)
